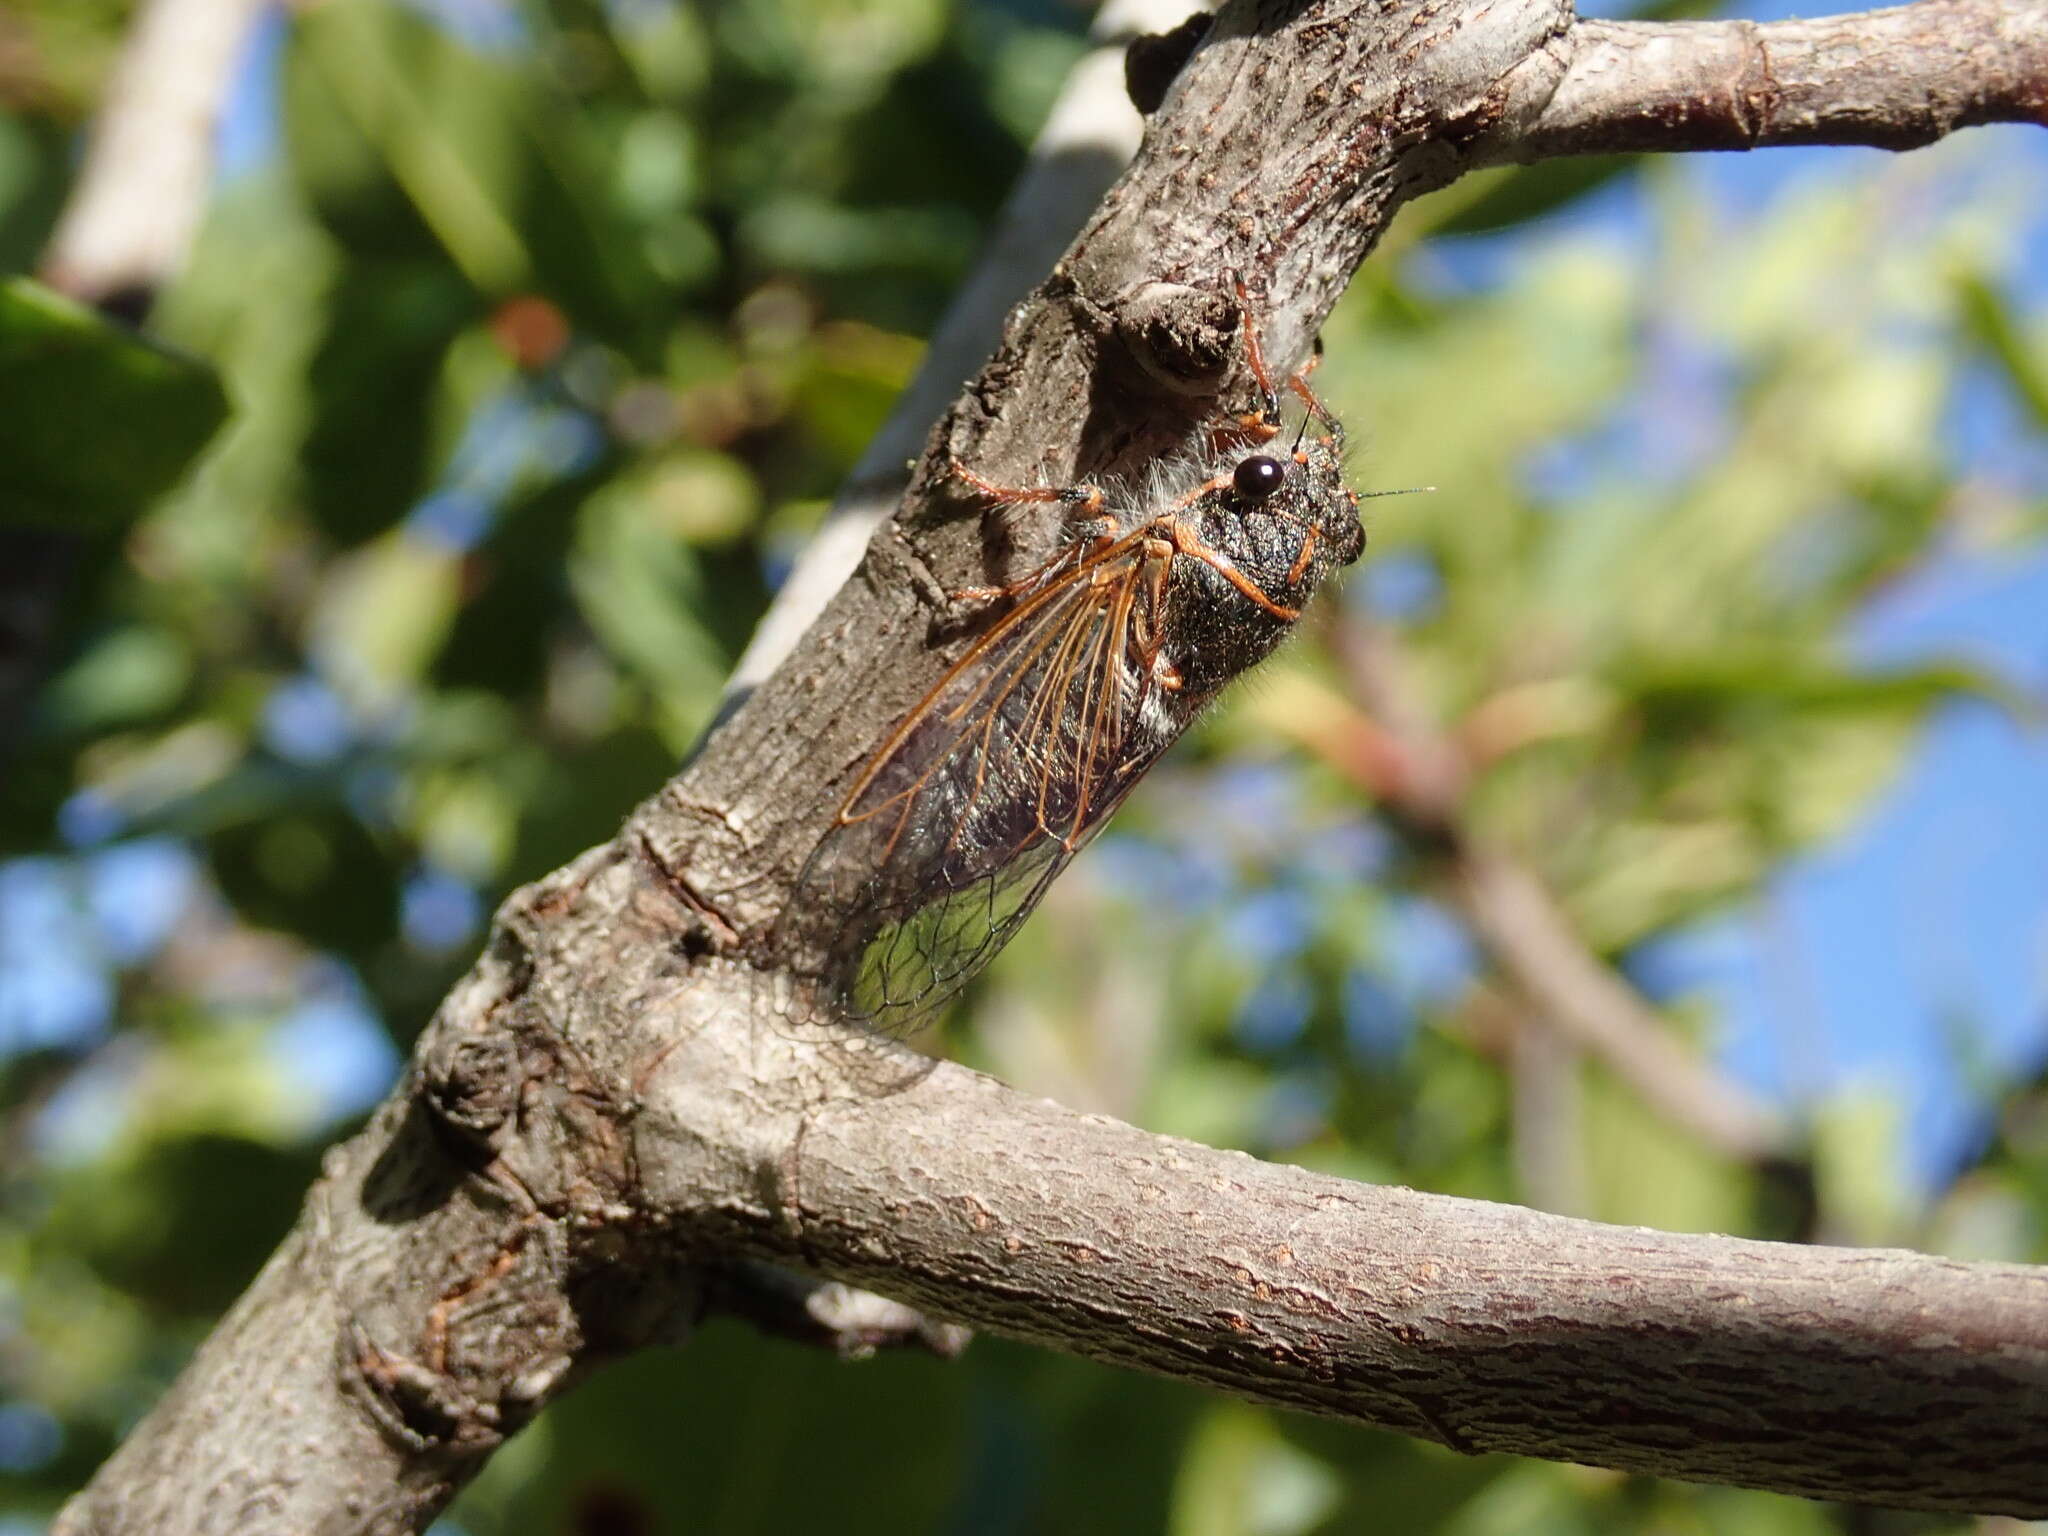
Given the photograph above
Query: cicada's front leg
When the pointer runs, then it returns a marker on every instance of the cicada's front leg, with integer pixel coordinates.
(1095, 528)
(1262, 424)
(1334, 434)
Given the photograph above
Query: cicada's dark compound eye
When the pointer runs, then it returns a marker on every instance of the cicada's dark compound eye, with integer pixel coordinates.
(1258, 477)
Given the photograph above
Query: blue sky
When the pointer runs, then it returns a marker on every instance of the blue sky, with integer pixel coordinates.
(1913, 953)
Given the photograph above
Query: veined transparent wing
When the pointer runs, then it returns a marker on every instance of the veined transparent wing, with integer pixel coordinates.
(989, 786)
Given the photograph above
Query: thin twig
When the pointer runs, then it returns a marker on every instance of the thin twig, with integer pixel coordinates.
(1894, 79)
(1519, 924)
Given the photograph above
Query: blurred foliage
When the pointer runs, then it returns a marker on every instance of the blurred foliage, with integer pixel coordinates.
(550, 328)
(64, 374)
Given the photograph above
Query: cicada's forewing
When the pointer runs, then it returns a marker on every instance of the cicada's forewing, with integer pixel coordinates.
(913, 966)
(963, 819)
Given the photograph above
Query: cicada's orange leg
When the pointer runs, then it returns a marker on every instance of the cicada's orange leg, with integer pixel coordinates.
(1184, 540)
(1334, 438)
(1087, 496)
(1255, 358)
(1097, 526)
(1170, 515)
(1154, 666)
(1260, 425)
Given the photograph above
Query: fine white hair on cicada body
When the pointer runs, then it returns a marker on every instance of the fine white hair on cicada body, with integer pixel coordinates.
(1084, 671)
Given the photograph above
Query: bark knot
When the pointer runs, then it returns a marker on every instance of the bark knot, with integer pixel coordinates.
(418, 1407)
(1184, 340)
(470, 1083)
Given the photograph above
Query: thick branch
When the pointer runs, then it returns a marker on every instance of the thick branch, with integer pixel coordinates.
(1484, 1327)
(1895, 79)
(523, 1212)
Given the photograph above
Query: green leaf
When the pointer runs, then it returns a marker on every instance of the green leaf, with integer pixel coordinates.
(1857, 1158)
(754, 1408)
(410, 143)
(382, 615)
(2002, 335)
(180, 1221)
(643, 591)
(316, 872)
(1764, 677)
(95, 422)
(132, 673)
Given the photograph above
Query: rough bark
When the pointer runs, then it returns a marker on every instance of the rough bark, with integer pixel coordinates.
(1895, 79)
(604, 1116)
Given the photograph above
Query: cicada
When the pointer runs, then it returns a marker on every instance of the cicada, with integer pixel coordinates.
(1083, 672)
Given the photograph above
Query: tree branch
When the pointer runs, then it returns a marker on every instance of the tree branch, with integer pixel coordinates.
(1893, 79)
(1483, 1327)
(1519, 923)
(141, 193)
(609, 1110)
(449, 1304)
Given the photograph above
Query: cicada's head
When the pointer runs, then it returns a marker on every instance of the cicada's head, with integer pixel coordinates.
(1274, 522)
(1298, 497)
